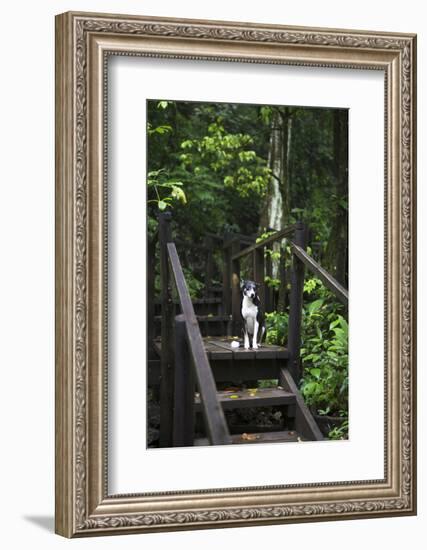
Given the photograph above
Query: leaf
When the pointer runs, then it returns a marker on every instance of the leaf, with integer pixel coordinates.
(316, 305)
(162, 205)
(178, 193)
(250, 437)
(234, 396)
(315, 372)
(162, 129)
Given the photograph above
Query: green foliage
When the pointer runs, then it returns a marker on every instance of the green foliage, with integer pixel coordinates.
(165, 191)
(276, 324)
(339, 432)
(272, 282)
(230, 155)
(324, 351)
(194, 285)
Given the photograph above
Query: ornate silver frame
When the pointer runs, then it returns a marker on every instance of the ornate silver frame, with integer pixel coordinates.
(83, 506)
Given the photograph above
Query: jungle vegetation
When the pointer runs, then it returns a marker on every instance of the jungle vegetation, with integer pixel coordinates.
(250, 169)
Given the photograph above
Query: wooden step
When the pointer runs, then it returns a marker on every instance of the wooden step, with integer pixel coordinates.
(204, 318)
(239, 365)
(219, 349)
(197, 301)
(266, 437)
(260, 397)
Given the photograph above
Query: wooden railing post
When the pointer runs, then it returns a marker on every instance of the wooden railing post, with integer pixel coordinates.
(235, 289)
(151, 257)
(183, 420)
(269, 305)
(209, 266)
(296, 303)
(167, 352)
(281, 298)
(215, 422)
(226, 277)
(259, 272)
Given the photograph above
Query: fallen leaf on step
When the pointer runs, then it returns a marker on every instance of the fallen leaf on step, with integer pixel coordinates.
(233, 396)
(250, 437)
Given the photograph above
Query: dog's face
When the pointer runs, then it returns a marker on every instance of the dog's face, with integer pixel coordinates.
(249, 288)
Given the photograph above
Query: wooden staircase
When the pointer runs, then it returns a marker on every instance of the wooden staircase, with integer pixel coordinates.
(241, 370)
(203, 380)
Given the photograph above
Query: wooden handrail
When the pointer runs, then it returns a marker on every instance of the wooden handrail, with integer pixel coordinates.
(213, 414)
(340, 292)
(238, 237)
(268, 240)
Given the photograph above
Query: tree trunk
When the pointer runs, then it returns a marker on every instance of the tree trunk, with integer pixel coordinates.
(336, 256)
(276, 209)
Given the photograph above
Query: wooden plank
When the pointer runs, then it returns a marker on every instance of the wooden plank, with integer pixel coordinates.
(259, 272)
(167, 352)
(295, 309)
(304, 421)
(204, 318)
(244, 371)
(235, 291)
(268, 397)
(216, 425)
(265, 353)
(151, 256)
(340, 292)
(197, 301)
(237, 353)
(268, 298)
(184, 406)
(242, 239)
(153, 372)
(283, 278)
(271, 239)
(209, 264)
(262, 437)
(216, 353)
(220, 350)
(226, 275)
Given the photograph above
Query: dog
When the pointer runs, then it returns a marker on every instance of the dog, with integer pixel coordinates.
(252, 316)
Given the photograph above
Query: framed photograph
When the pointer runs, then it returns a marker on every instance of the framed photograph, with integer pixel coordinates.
(235, 274)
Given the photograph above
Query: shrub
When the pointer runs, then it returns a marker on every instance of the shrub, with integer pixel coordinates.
(324, 349)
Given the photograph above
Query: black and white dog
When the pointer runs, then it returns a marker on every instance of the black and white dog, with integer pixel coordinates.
(252, 316)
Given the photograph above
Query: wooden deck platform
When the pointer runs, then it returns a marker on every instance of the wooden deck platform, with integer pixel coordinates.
(256, 397)
(219, 349)
(267, 437)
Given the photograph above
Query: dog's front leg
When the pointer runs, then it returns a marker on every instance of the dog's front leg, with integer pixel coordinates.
(255, 336)
(246, 338)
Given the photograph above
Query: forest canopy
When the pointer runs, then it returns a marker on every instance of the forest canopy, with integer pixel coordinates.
(223, 167)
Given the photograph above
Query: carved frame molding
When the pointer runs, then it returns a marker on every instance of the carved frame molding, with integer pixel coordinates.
(83, 42)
